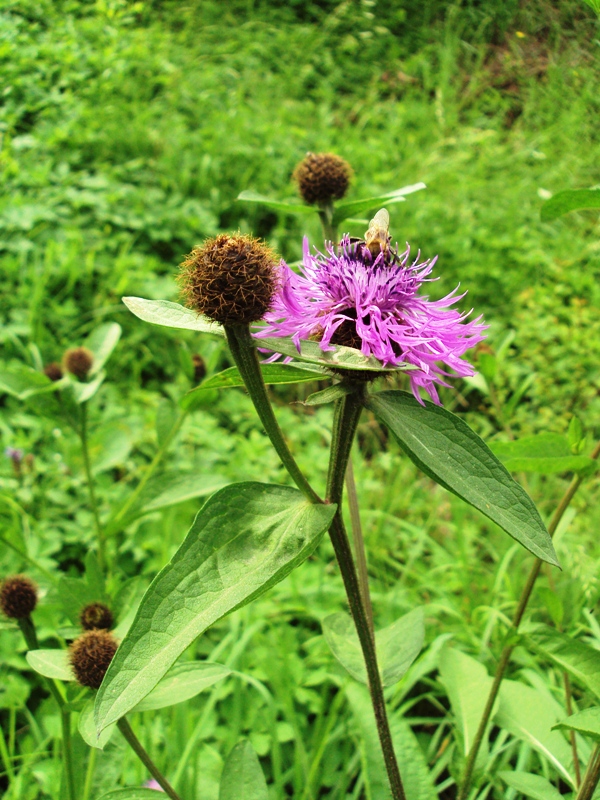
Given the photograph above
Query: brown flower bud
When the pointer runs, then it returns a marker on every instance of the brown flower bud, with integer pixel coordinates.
(230, 279)
(322, 177)
(53, 370)
(199, 367)
(90, 656)
(78, 361)
(96, 616)
(18, 596)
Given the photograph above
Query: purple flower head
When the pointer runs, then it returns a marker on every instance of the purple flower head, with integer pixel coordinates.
(372, 303)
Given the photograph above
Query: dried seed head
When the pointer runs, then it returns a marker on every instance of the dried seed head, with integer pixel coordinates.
(96, 616)
(53, 370)
(322, 177)
(90, 656)
(78, 361)
(18, 596)
(231, 279)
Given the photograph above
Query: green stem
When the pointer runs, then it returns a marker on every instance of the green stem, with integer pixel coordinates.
(346, 415)
(591, 777)
(83, 434)
(511, 635)
(29, 634)
(150, 470)
(359, 543)
(244, 354)
(89, 774)
(135, 744)
(326, 217)
(569, 705)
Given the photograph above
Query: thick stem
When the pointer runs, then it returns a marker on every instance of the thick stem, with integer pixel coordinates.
(359, 543)
(511, 635)
(591, 777)
(346, 417)
(137, 748)
(244, 354)
(90, 482)
(30, 635)
(329, 229)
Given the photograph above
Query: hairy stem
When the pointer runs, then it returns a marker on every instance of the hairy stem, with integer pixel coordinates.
(29, 634)
(83, 435)
(244, 354)
(347, 413)
(511, 635)
(135, 744)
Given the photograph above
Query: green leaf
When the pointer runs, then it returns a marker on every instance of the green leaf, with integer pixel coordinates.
(272, 374)
(338, 357)
(545, 453)
(576, 435)
(278, 205)
(553, 604)
(166, 416)
(449, 452)
(569, 200)
(586, 722)
(82, 392)
(524, 713)
(349, 209)
(578, 658)
(245, 539)
(182, 682)
(51, 664)
(397, 645)
(242, 777)
(329, 395)
(533, 786)
(467, 684)
(130, 794)
(23, 382)
(171, 315)
(87, 729)
(102, 341)
(110, 445)
(74, 594)
(417, 780)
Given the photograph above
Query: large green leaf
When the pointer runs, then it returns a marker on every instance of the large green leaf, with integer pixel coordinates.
(339, 357)
(272, 374)
(182, 682)
(586, 722)
(524, 713)
(545, 453)
(277, 205)
(454, 456)
(571, 655)
(171, 315)
(246, 538)
(242, 777)
(570, 200)
(468, 686)
(397, 645)
(87, 728)
(533, 786)
(352, 207)
(51, 664)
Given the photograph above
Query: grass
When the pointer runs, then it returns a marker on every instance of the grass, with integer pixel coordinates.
(128, 132)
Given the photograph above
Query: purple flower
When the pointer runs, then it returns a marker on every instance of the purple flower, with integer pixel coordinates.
(372, 303)
(15, 454)
(153, 784)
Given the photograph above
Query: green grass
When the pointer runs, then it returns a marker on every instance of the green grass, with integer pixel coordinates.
(128, 130)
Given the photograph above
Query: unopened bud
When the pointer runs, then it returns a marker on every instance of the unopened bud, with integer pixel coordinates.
(322, 177)
(78, 361)
(18, 596)
(90, 656)
(96, 616)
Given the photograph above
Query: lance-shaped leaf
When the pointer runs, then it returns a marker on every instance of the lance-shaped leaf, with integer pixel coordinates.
(578, 658)
(529, 785)
(242, 777)
(51, 664)
(183, 682)
(102, 341)
(454, 456)
(246, 538)
(344, 210)
(284, 206)
(570, 200)
(586, 722)
(545, 453)
(171, 315)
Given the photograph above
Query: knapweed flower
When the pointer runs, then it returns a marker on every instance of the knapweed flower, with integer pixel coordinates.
(322, 177)
(78, 361)
(90, 656)
(96, 616)
(18, 596)
(350, 296)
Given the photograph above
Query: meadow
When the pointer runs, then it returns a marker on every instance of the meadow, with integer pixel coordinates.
(128, 130)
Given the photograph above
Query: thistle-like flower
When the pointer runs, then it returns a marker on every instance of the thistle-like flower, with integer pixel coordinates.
(78, 361)
(90, 656)
(96, 616)
(370, 301)
(18, 596)
(322, 177)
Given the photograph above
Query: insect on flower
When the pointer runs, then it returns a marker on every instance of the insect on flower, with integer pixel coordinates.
(377, 238)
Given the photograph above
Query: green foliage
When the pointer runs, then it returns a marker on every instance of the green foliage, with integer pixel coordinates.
(242, 777)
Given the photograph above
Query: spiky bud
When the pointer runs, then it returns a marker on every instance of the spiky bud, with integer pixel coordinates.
(231, 279)
(78, 361)
(18, 596)
(322, 177)
(96, 616)
(53, 370)
(90, 656)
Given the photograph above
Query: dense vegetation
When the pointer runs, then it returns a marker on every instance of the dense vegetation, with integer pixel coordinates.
(128, 130)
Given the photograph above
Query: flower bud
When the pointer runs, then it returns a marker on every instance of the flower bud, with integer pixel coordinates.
(90, 656)
(53, 370)
(78, 361)
(230, 279)
(322, 177)
(96, 616)
(18, 597)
